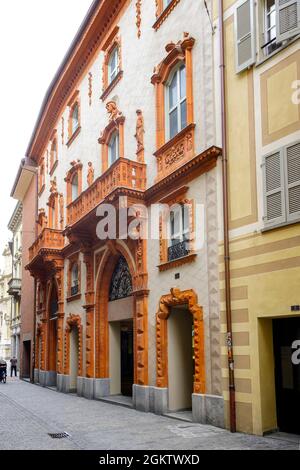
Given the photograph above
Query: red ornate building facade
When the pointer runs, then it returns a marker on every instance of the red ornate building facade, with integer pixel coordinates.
(127, 121)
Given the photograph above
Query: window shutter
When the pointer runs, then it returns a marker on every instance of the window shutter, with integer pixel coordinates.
(274, 196)
(245, 35)
(292, 171)
(287, 19)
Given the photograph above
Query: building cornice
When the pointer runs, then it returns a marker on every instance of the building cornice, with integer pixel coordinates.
(16, 218)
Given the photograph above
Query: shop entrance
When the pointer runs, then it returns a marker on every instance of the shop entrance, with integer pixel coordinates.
(286, 337)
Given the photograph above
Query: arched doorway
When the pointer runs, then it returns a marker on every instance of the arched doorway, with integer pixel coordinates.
(52, 335)
(120, 319)
(180, 359)
(73, 351)
(180, 366)
(74, 345)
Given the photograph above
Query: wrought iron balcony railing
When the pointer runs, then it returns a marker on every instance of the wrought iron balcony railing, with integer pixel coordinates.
(178, 250)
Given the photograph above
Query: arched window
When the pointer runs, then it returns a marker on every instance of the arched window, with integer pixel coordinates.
(42, 177)
(176, 101)
(113, 65)
(121, 282)
(53, 155)
(75, 185)
(75, 118)
(74, 279)
(113, 148)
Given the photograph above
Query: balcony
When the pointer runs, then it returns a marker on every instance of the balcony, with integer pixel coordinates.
(176, 152)
(178, 250)
(49, 239)
(14, 287)
(124, 173)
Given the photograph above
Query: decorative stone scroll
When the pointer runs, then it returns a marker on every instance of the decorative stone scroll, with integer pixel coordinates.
(73, 321)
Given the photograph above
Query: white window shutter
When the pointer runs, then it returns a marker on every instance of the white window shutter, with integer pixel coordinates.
(245, 35)
(274, 194)
(287, 19)
(292, 174)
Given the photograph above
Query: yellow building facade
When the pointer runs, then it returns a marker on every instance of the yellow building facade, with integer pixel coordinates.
(262, 82)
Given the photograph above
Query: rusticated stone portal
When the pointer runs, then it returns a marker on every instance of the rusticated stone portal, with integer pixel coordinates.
(175, 298)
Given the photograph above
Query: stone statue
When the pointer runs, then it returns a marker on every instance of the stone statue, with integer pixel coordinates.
(91, 174)
(61, 210)
(140, 130)
(53, 187)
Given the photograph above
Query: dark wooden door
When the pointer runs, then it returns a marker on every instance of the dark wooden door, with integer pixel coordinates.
(127, 359)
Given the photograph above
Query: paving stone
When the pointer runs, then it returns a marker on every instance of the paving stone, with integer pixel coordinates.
(30, 412)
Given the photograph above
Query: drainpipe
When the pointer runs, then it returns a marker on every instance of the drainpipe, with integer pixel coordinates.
(226, 226)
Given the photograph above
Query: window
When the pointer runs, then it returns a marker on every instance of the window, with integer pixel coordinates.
(177, 111)
(42, 177)
(281, 177)
(162, 11)
(279, 22)
(74, 181)
(74, 279)
(53, 155)
(113, 65)
(75, 118)
(179, 232)
(113, 148)
(75, 185)
(270, 27)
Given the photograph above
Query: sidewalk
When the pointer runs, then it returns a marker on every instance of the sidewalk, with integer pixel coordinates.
(29, 413)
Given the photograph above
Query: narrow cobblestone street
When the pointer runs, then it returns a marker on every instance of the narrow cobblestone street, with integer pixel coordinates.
(29, 413)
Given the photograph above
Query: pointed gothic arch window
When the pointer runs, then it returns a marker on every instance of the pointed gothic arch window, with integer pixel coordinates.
(121, 281)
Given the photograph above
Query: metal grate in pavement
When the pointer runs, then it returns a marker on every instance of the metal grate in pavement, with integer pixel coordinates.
(59, 435)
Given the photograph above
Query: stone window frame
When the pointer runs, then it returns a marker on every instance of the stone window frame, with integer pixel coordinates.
(177, 197)
(76, 169)
(73, 133)
(115, 125)
(113, 41)
(53, 158)
(42, 175)
(173, 153)
(72, 260)
(176, 54)
(163, 12)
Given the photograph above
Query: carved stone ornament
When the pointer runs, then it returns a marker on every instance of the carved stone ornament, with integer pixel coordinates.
(113, 111)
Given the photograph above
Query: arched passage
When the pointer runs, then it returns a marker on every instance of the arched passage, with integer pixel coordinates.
(107, 316)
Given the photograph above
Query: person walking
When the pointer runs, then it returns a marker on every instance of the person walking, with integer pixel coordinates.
(13, 366)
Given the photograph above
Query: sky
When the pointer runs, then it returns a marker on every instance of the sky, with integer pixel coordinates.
(34, 37)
